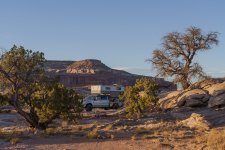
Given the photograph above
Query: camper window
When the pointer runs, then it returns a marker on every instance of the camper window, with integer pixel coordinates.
(107, 88)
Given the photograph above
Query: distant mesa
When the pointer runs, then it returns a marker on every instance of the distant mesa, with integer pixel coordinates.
(93, 72)
(88, 66)
(56, 66)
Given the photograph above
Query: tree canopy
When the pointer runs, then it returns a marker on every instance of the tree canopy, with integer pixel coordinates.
(38, 99)
(176, 57)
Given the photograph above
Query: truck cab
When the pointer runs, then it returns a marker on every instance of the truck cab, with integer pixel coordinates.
(100, 101)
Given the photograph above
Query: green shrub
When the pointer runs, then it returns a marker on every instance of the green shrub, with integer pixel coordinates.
(140, 97)
(93, 134)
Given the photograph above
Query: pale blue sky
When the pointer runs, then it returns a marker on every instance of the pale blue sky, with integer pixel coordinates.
(121, 33)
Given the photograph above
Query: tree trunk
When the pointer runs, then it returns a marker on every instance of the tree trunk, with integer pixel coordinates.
(140, 112)
(31, 117)
(185, 84)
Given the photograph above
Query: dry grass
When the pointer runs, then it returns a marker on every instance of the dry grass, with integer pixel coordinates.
(147, 136)
(168, 130)
(169, 135)
(126, 127)
(112, 136)
(1, 132)
(109, 127)
(216, 139)
(164, 125)
(201, 139)
(96, 123)
(13, 137)
(79, 128)
(133, 138)
(142, 130)
(15, 140)
(53, 131)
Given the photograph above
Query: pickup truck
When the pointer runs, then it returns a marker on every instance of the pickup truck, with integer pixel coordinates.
(101, 101)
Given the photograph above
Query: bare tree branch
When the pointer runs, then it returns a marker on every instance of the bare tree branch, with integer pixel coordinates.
(175, 59)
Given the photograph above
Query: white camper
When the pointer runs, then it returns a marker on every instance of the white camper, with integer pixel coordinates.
(113, 90)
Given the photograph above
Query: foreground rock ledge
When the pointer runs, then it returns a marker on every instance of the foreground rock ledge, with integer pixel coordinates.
(209, 93)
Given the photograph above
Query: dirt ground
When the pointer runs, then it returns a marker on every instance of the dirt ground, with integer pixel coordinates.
(110, 130)
(66, 144)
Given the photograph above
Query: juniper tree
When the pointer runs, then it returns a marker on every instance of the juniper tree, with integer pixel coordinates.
(176, 57)
(35, 97)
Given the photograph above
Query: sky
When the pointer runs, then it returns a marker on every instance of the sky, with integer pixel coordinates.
(120, 33)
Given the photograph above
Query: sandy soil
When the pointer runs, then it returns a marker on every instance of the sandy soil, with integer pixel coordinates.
(60, 143)
(68, 143)
(162, 135)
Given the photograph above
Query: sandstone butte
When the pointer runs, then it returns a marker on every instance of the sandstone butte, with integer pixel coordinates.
(93, 72)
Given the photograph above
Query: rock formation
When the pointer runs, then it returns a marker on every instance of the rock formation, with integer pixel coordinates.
(195, 97)
(169, 100)
(56, 67)
(210, 92)
(217, 93)
(89, 66)
(92, 72)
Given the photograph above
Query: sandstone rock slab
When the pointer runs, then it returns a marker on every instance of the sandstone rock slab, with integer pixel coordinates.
(196, 97)
(217, 101)
(168, 100)
(217, 89)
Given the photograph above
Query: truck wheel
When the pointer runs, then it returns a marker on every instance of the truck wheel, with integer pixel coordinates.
(88, 107)
(115, 106)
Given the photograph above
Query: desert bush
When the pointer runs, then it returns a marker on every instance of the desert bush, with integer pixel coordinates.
(216, 139)
(142, 130)
(15, 140)
(140, 97)
(93, 134)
